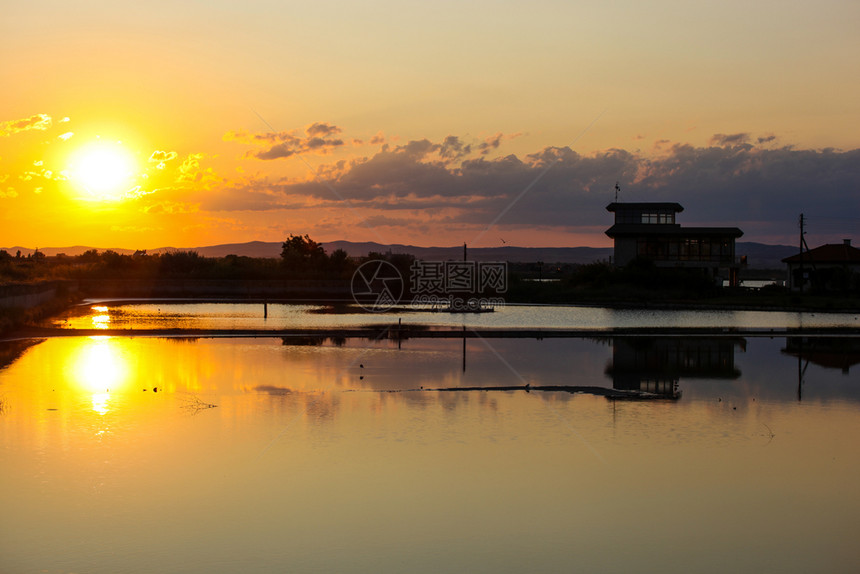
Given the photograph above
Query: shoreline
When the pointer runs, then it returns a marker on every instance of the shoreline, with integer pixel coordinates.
(33, 326)
(618, 304)
(404, 333)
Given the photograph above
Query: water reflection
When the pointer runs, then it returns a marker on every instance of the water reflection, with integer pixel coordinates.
(318, 441)
(99, 366)
(830, 352)
(100, 317)
(840, 353)
(197, 315)
(657, 364)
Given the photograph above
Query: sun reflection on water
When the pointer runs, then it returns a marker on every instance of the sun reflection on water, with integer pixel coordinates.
(102, 320)
(100, 368)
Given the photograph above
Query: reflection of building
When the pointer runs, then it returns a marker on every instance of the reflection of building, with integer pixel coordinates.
(828, 267)
(656, 364)
(649, 231)
(830, 352)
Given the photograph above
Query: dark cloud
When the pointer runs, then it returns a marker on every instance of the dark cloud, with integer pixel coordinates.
(317, 143)
(729, 139)
(278, 145)
(490, 144)
(322, 130)
(276, 151)
(731, 182)
(453, 149)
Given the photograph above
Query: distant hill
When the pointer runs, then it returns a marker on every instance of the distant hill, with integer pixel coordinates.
(518, 254)
(759, 255)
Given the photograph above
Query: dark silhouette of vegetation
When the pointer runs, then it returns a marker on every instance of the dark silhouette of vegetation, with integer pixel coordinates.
(305, 270)
(302, 255)
(301, 258)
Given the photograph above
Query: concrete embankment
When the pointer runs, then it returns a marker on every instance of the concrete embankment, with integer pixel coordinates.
(25, 303)
(29, 295)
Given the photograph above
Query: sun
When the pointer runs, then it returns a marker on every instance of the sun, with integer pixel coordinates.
(103, 170)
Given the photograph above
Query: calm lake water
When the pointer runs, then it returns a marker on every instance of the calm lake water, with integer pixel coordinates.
(292, 454)
(285, 316)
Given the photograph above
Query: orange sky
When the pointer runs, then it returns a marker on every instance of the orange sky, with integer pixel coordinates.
(423, 124)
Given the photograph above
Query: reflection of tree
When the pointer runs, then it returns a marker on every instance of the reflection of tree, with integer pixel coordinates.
(10, 351)
(829, 352)
(193, 404)
(303, 340)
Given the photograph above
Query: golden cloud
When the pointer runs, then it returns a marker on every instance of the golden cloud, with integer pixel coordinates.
(34, 122)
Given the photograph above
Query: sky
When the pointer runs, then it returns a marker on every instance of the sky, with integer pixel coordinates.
(143, 125)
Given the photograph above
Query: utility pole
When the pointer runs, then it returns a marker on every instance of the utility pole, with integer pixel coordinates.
(804, 245)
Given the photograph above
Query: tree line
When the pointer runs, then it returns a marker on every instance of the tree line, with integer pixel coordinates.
(301, 258)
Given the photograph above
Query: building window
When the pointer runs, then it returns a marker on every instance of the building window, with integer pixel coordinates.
(662, 218)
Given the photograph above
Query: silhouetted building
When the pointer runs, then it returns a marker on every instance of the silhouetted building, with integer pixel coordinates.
(830, 267)
(649, 231)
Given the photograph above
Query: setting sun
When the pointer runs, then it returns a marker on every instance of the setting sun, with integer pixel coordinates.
(103, 170)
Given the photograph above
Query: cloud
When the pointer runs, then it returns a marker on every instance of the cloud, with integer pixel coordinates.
(322, 130)
(452, 182)
(191, 172)
(317, 138)
(162, 156)
(729, 139)
(491, 143)
(133, 228)
(34, 122)
(136, 192)
(171, 207)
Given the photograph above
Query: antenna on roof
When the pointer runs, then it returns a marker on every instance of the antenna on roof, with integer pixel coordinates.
(617, 189)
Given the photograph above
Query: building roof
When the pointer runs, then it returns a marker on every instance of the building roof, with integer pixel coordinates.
(652, 229)
(676, 207)
(829, 253)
